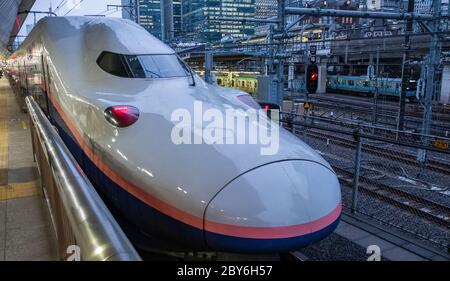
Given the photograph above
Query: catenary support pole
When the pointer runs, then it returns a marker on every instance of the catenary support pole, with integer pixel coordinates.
(357, 171)
(405, 69)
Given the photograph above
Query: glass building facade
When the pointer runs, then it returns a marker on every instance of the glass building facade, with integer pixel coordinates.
(177, 24)
(266, 8)
(157, 16)
(150, 16)
(201, 19)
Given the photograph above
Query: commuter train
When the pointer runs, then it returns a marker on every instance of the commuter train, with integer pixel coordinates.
(246, 82)
(110, 89)
(335, 84)
(362, 85)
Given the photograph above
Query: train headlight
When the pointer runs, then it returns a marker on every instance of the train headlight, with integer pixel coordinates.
(122, 115)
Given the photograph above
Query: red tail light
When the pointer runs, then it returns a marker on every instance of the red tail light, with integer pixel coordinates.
(122, 115)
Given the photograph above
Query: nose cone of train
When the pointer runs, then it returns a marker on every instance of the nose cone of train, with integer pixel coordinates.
(278, 207)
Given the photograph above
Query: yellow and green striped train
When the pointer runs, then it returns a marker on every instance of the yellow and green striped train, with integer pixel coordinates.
(245, 81)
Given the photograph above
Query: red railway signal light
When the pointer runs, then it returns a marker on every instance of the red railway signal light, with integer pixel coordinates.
(312, 74)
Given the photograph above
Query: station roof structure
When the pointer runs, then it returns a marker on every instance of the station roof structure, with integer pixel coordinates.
(12, 15)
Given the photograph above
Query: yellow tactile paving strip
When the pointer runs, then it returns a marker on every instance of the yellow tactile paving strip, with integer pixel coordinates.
(19, 190)
(4, 137)
(16, 190)
(3, 149)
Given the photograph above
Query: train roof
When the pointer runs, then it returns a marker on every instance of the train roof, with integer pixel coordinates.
(99, 34)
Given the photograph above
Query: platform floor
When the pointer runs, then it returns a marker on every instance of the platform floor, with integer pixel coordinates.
(26, 231)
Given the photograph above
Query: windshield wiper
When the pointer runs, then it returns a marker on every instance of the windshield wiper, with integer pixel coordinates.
(192, 77)
(188, 70)
(154, 73)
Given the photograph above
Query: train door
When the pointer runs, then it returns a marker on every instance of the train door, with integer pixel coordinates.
(45, 86)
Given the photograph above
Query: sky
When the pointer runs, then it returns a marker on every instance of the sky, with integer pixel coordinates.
(73, 8)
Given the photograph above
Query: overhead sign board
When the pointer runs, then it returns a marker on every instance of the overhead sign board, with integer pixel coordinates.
(381, 33)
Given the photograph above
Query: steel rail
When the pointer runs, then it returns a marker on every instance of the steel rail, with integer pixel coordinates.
(407, 201)
(355, 133)
(398, 156)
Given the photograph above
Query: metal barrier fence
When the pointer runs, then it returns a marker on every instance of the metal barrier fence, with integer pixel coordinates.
(79, 215)
(397, 178)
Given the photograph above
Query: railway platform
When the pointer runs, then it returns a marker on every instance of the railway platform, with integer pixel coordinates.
(393, 245)
(26, 232)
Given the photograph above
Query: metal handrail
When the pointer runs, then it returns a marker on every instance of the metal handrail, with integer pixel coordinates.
(97, 233)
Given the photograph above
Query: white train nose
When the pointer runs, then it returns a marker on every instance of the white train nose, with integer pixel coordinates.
(274, 208)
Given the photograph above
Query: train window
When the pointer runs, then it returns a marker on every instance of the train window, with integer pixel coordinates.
(135, 66)
(143, 66)
(163, 66)
(113, 64)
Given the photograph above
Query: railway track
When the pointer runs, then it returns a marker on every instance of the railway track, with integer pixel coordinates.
(391, 154)
(425, 208)
(412, 203)
(440, 124)
(440, 111)
(392, 113)
(412, 108)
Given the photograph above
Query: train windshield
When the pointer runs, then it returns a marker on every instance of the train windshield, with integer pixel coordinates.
(157, 66)
(143, 66)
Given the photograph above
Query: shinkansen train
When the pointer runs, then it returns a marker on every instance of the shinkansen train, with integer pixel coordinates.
(362, 85)
(110, 89)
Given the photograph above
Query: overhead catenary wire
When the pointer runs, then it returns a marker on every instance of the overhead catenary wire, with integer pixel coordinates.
(111, 12)
(60, 5)
(76, 5)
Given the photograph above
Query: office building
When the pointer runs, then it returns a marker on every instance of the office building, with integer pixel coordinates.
(162, 18)
(202, 19)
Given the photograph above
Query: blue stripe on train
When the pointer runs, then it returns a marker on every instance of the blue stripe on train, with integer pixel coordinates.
(236, 244)
(144, 218)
